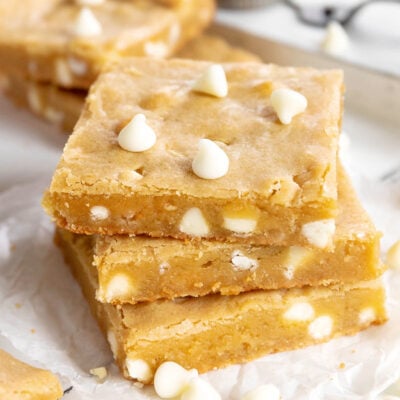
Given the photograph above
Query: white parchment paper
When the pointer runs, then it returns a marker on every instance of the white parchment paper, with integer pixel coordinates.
(45, 320)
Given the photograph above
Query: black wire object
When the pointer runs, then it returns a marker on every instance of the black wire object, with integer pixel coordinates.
(322, 15)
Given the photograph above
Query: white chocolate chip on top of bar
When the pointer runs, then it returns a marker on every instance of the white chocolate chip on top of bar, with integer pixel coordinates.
(171, 379)
(87, 24)
(321, 327)
(99, 213)
(193, 223)
(263, 392)
(319, 233)
(212, 81)
(137, 135)
(300, 312)
(210, 162)
(287, 103)
(139, 369)
(242, 263)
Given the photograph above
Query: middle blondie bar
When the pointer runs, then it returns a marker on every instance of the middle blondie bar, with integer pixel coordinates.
(280, 188)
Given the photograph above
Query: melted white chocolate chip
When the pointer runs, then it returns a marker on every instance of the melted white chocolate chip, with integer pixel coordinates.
(242, 263)
(87, 24)
(211, 162)
(287, 104)
(118, 286)
(137, 135)
(240, 225)
(263, 392)
(212, 81)
(77, 66)
(300, 312)
(199, 389)
(99, 213)
(171, 379)
(321, 327)
(367, 315)
(319, 233)
(193, 223)
(139, 369)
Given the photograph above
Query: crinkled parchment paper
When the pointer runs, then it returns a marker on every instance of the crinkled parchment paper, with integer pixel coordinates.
(45, 320)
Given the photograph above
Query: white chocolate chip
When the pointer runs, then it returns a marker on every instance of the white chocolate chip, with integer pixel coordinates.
(99, 213)
(63, 73)
(112, 341)
(89, 2)
(34, 100)
(211, 162)
(212, 81)
(242, 263)
(87, 24)
(263, 392)
(321, 327)
(240, 225)
(199, 389)
(156, 49)
(193, 223)
(296, 256)
(100, 373)
(129, 178)
(77, 66)
(393, 256)
(174, 34)
(171, 379)
(163, 268)
(300, 312)
(319, 233)
(287, 104)
(139, 369)
(137, 136)
(289, 272)
(336, 40)
(367, 315)
(118, 286)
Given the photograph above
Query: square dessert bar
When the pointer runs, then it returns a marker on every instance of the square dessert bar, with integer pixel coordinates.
(63, 107)
(216, 331)
(20, 381)
(138, 269)
(280, 187)
(67, 43)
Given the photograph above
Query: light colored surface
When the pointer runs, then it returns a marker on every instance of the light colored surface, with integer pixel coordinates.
(376, 30)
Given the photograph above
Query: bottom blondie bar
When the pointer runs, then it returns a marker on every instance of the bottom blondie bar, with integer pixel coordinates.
(215, 331)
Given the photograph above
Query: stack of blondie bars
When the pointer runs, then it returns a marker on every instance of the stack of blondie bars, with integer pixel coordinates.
(50, 56)
(203, 211)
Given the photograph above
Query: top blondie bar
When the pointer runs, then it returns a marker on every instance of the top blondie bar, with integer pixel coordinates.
(66, 42)
(280, 187)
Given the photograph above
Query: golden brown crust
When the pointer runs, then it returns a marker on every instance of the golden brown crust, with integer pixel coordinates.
(22, 381)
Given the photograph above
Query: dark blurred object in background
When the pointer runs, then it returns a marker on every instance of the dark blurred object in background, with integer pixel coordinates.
(243, 3)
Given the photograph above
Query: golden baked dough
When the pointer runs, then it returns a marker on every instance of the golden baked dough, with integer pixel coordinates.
(216, 331)
(20, 381)
(138, 269)
(281, 177)
(63, 107)
(38, 41)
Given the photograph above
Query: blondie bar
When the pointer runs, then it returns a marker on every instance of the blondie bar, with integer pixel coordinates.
(20, 381)
(65, 44)
(215, 331)
(138, 269)
(63, 107)
(280, 187)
